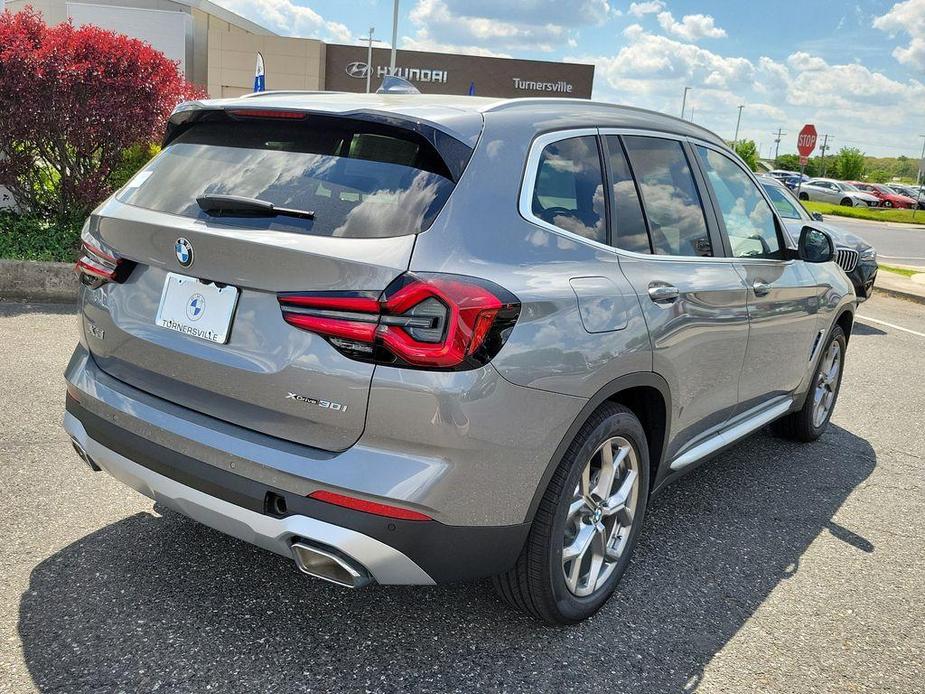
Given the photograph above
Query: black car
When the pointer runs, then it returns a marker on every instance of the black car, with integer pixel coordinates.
(856, 257)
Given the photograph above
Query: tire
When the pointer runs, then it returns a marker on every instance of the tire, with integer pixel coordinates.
(887, 203)
(804, 196)
(847, 202)
(804, 424)
(537, 584)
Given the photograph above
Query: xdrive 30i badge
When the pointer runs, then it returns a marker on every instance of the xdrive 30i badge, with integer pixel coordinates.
(323, 404)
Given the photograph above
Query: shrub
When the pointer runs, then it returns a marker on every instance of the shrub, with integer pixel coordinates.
(28, 237)
(71, 101)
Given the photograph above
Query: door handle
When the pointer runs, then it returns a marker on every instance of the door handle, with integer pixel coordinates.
(761, 288)
(663, 293)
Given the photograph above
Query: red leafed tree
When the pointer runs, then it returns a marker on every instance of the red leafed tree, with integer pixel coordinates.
(71, 101)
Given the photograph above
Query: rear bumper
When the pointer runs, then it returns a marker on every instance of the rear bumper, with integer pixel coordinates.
(383, 563)
(223, 490)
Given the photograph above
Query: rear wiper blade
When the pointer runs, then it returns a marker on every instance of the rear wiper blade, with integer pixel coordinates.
(239, 206)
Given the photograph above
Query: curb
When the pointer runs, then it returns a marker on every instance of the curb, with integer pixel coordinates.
(899, 294)
(38, 281)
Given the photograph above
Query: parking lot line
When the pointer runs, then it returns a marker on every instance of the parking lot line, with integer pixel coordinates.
(891, 325)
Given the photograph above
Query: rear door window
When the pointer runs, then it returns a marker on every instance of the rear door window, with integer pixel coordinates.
(672, 204)
(569, 188)
(359, 179)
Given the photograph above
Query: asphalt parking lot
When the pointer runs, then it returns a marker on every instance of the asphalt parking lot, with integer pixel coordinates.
(775, 568)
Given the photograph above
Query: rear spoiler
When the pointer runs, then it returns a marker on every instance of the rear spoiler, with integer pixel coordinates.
(454, 152)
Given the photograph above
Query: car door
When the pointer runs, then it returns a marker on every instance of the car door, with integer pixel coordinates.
(694, 301)
(782, 295)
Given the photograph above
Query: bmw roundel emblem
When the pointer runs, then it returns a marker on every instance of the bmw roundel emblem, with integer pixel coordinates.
(195, 307)
(184, 251)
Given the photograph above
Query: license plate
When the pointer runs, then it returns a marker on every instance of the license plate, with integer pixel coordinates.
(197, 309)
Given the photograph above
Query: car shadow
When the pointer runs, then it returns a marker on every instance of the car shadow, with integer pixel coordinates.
(163, 602)
(860, 328)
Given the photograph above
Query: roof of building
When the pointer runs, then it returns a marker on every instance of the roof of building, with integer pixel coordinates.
(227, 16)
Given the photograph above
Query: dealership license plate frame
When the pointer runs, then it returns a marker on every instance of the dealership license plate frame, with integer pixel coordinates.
(176, 310)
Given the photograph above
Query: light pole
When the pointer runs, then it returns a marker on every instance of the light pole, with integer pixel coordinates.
(684, 101)
(738, 120)
(920, 178)
(369, 55)
(394, 36)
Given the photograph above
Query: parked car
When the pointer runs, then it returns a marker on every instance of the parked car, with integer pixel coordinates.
(785, 175)
(412, 350)
(855, 256)
(836, 192)
(886, 196)
(913, 192)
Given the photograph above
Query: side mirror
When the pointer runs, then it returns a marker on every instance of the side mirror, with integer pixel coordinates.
(815, 246)
(817, 216)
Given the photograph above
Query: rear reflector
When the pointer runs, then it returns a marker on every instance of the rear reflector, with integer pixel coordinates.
(427, 321)
(368, 506)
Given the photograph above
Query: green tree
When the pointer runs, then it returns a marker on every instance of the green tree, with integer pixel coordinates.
(748, 150)
(849, 163)
(878, 176)
(788, 162)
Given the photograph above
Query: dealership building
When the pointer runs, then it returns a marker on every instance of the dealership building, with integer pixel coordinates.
(216, 49)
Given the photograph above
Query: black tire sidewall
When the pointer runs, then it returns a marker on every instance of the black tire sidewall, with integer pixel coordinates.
(623, 423)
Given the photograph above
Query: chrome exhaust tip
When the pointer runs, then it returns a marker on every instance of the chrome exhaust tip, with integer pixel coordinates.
(329, 567)
(84, 456)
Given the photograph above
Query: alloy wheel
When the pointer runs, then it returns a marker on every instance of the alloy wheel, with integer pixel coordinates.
(600, 516)
(827, 383)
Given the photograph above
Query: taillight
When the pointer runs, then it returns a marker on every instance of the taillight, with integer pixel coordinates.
(421, 320)
(96, 267)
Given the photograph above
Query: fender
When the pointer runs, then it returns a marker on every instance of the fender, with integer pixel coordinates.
(616, 386)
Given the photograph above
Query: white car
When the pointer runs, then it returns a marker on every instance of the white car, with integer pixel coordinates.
(837, 193)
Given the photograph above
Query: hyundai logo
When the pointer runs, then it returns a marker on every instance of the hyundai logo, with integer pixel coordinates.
(195, 307)
(184, 250)
(358, 70)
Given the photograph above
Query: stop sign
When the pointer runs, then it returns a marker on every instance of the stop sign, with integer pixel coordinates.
(806, 140)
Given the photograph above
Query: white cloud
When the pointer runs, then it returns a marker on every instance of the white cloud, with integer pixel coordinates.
(692, 27)
(494, 28)
(849, 100)
(640, 9)
(286, 18)
(907, 17)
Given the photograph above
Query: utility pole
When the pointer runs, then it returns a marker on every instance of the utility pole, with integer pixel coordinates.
(822, 149)
(738, 120)
(779, 133)
(394, 36)
(684, 101)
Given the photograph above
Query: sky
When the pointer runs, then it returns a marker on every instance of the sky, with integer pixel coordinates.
(855, 69)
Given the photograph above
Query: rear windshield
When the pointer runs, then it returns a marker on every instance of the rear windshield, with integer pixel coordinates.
(361, 180)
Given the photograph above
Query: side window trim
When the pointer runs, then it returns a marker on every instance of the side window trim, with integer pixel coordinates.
(528, 184)
(720, 222)
(608, 174)
(715, 227)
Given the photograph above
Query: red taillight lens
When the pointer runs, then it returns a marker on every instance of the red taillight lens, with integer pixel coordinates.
(97, 267)
(267, 113)
(421, 320)
(369, 506)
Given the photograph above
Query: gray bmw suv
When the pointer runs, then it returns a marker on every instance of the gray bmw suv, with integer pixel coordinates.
(420, 339)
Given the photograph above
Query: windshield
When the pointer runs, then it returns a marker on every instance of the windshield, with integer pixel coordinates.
(848, 187)
(359, 183)
(785, 204)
